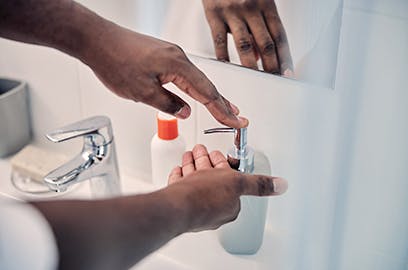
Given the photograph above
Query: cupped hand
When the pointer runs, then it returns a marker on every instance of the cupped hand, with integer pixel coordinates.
(256, 28)
(212, 189)
(136, 67)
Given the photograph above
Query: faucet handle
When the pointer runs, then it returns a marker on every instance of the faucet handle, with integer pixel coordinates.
(97, 125)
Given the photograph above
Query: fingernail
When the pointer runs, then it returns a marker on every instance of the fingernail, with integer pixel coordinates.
(243, 121)
(280, 185)
(235, 109)
(183, 113)
(288, 73)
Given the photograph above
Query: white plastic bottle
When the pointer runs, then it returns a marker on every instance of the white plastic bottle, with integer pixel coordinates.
(167, 148)
(245, 234)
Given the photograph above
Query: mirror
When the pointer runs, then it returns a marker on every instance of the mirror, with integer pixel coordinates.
(312, 28)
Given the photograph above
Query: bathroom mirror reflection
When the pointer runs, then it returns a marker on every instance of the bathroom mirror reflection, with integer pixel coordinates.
(312, 30)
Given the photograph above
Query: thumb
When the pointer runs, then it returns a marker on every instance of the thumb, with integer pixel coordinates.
(262, 185)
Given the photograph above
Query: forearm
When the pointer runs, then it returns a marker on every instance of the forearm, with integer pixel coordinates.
(61, 24)
(112, 234)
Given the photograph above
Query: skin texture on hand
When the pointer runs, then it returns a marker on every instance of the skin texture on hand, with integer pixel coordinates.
(131, 65)
(145, 64)
(216, 188)
(257, 30)
(203, 194)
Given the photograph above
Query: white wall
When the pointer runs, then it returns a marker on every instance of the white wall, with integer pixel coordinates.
(371, 229)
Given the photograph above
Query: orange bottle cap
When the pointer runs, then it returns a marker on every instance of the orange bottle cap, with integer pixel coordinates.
(167, 128)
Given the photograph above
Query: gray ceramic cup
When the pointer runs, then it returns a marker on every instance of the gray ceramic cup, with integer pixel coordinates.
(15, 128)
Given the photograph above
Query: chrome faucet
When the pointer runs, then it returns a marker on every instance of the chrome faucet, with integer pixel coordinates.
(241, 156)
(96, 162)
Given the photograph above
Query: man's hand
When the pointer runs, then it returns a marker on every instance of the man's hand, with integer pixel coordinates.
(212, 189)
(116, 233)
(256, 28)
(135, 66)
(132, 65)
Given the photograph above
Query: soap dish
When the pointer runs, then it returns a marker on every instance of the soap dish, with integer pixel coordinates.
(30, 166)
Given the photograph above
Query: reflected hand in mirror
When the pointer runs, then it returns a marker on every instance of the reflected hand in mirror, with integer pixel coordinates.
(257, 30)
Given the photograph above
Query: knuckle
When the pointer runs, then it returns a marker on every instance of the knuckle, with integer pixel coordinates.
(249, 4)
(176, 52)
(148, 95)
(268, 48)
(230, 6)
(265, 185)
(220, 40)
(240, 182)
(245, 45)
(212, 97)
(243, 5)
(217, 9)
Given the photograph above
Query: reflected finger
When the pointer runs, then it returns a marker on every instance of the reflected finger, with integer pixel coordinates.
(243, 42)
(188, 166)
(265, 44)
(279, 36)
(219, 35)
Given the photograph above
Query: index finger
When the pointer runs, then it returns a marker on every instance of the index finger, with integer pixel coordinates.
(194, 83)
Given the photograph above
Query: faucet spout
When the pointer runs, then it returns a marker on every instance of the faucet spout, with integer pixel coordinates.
(96, 162)
(70, 173)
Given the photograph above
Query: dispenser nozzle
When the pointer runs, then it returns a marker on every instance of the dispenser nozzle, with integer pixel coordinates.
(239, 158)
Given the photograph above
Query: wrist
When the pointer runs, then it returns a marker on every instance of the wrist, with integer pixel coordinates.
(177, 208)
(89, 31)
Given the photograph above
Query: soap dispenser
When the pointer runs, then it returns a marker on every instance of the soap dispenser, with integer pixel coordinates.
(245, 234)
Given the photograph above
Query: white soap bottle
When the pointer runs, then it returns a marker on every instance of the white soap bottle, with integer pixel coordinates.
(245, 234)
(167, 148)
